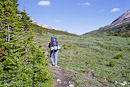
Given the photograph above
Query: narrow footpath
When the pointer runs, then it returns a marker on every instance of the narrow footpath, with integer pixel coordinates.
(59, 78)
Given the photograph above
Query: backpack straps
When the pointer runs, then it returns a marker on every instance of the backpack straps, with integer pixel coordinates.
(56, 43)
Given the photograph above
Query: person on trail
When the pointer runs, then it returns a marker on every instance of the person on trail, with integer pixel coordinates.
(54, 47)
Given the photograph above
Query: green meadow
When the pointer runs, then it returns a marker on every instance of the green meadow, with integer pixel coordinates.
(90, 61)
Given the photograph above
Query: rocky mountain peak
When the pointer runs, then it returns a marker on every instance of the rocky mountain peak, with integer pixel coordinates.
(124, 18)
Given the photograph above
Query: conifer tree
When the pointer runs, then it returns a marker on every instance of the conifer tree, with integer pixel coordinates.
(11, 42)
(21, 62)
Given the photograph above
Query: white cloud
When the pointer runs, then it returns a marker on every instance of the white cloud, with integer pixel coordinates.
(44, 3)
(87, 4)
(115, 9)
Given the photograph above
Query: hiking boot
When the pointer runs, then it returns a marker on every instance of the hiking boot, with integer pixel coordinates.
(53, 65)
(57, 66)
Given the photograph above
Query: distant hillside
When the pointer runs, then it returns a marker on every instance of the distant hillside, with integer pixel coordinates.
(120, 27)
(39, 29)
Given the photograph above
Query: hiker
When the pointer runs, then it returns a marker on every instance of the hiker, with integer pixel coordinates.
(54, 47)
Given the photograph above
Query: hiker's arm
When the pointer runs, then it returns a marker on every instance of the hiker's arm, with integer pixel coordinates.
(49, 45)
(57, 43)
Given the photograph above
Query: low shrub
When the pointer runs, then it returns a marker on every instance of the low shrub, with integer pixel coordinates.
(65, 47)
(118, 56)
(128, 43)
(111, 63)
(110, 39)
(87, 62)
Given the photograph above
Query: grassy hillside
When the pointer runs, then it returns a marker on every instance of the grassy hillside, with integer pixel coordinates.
(90, 61)
(41, 30)
(120, 30)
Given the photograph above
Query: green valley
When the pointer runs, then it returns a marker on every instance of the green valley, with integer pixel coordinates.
(100, 58)
(90, 61)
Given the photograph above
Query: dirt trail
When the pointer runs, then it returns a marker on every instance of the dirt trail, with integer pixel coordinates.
(59, 78)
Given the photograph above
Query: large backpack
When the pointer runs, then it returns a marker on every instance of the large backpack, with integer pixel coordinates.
(54, 44)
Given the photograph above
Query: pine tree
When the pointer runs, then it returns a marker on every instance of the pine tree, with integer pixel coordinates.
(11, 42)
(21, 62)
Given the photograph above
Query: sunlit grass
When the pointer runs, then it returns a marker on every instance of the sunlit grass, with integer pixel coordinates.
(78, 54)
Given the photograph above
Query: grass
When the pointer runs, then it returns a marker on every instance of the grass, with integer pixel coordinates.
(79, 54)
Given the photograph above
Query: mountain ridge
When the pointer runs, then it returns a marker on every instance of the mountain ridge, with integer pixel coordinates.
(124, 18)
(119, 25)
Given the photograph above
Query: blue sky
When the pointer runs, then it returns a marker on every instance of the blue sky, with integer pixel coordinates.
(75, 16)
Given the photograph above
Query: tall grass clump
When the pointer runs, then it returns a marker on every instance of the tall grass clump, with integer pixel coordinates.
(118, 56)
(111, 63)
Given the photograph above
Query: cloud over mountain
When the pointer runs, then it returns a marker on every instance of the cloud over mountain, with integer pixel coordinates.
(115, 9)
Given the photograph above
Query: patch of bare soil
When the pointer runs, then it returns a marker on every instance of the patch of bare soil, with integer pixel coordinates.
(60, 79)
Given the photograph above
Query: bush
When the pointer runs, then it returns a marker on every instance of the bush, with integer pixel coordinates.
(128, 43)
(110, 39)
(65, 47)
(111, 63)
(87, 62)
(118, 34)
(118, 56)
